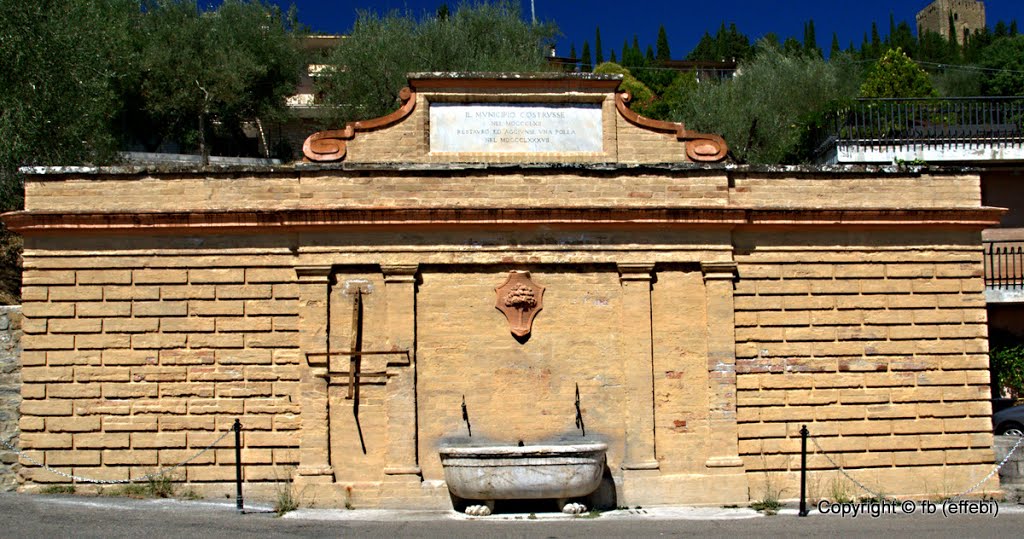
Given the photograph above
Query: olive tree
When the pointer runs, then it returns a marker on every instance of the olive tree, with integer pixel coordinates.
(369, 67)
(766, 111)
(205, 73)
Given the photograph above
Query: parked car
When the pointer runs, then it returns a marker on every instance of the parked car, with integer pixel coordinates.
(1009, 421)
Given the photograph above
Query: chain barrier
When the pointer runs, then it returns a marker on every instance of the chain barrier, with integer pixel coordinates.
(147, 477)
(842, 471)
(877, 496)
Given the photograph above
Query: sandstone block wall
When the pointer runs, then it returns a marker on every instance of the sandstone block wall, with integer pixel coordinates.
(877, 342)
(146, 335)
(552, 187)
(10, 393)
(136, 362)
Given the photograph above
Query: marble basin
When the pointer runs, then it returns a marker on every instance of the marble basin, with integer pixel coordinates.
(529, 472)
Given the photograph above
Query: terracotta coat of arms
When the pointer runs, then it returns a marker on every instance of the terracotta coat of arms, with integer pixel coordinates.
(520, 299)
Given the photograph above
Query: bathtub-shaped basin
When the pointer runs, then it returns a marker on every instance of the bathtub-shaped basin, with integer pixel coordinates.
(529, 472)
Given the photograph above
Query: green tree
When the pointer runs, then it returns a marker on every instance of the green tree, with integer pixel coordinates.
(896, 75)
(876, 41)
(636, 54)
(613, 59)
(586, 62)
(705, 50)
(932, 47)
(641, 94)
(810, 39)
(903, 37)
(1001, 30)
(572, 51)
(766, 112)
(727, 44)
(1005, 60)
(892, 30)
(206, 73)
(598, 49)
(954, 49)
(372, 63)
(663, 54)
(835, 49)
(792, 47)
(673, 96)
(61, 64)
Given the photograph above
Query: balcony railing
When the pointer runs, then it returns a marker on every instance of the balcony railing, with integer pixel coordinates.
(880, 124)
(1004, 264)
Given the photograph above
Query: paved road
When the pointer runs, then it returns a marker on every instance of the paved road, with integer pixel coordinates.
(76, 516)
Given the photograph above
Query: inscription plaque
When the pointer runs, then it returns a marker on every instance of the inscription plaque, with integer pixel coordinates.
(515, 128)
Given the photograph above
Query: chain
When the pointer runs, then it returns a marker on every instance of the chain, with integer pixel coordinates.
(842, 471)
(953, 498)
(993, 472)
(147, 477)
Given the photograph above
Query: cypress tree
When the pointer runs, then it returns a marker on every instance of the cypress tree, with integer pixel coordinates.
(835, 46)
(1000, 30)
(585, 62)
(625, 52)
(663, 54)
(613, 59)
(597, 47)
(636, 54)
(892, 30)
(810, 40)
(952, 31)
(876, 41)
(572, 51)
(650, 55)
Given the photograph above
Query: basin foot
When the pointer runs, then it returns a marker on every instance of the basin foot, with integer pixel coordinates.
(572, 508)
(480, 510)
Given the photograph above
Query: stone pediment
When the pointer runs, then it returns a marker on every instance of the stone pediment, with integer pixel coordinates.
(514, 118)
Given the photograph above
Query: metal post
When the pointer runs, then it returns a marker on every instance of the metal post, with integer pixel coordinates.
(803, 470)
(238, 464)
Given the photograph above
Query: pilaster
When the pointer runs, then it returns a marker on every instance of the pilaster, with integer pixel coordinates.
(723, 445)
(638, 360)
(400, 296)
(314, 438)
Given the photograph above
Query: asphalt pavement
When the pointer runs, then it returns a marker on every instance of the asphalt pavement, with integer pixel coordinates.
(24, 515)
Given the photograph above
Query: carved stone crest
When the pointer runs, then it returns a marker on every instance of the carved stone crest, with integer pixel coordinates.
(520, 299)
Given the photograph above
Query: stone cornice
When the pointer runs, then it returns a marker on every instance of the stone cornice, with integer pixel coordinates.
(30, 222)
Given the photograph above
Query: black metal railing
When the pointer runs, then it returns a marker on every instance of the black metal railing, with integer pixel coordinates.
(884, 123)
(1004, 264)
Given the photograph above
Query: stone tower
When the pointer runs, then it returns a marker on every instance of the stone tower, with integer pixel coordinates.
(968, 16)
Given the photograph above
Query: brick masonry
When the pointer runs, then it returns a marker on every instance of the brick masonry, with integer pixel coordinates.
(705, 313)
(10, 393)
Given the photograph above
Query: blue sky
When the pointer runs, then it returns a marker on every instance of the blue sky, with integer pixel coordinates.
(685, 21)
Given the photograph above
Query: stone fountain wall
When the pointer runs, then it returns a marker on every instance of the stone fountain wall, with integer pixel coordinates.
(705, 311)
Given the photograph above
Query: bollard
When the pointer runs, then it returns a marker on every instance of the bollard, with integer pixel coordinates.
(238, 465)
(803, 470)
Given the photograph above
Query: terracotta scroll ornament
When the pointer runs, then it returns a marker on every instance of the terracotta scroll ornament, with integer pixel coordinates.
(327, 146)
(520, 299)
(703, 147)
